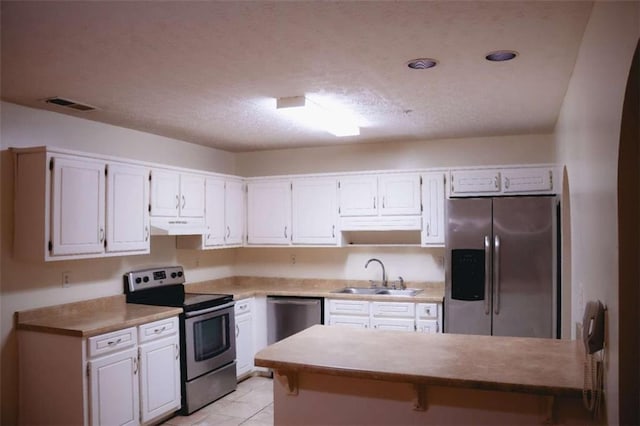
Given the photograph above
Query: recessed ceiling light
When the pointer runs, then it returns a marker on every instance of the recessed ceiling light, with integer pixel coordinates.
(422, 63)
(66, 103)
(501, 55)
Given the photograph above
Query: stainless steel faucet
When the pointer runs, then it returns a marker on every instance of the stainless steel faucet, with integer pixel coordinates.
(384, 275)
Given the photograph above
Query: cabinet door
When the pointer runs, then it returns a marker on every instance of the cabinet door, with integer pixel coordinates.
(127, 208)
(528, 180)
(113, 389)
(234, 212)
(165, 193)
(358, 196)
(214, 212)
(77, 206)
(469, 182)
(269, 212)
(159, 377)
(244, 343)
(433, 211)
(396, 324)
(191, 196)
(399, 194)
(314, 211)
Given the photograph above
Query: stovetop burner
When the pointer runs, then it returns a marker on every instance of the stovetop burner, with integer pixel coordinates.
(165, 287)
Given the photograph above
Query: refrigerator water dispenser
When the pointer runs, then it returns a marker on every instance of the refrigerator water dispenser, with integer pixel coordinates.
(467, 274)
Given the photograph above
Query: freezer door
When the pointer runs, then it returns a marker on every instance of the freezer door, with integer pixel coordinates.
(468, 266)
(524, 253)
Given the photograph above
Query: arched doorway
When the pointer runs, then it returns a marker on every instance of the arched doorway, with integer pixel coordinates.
(629, 249)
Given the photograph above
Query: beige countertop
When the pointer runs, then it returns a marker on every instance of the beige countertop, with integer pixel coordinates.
(97, 316)
(91, 317)
(243, 287)
(513, 364)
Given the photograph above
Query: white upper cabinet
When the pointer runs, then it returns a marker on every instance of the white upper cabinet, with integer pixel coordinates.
(269, 212)
(394, 194)
(224, 215)
(77, 206)
(504, 181)
(433, 185)
(538, 179)
(234, 212)
(358, 196)
(127, 208)
(314, 211)
(475, 181)
(176, 194)
(214, 212)
(399, 194)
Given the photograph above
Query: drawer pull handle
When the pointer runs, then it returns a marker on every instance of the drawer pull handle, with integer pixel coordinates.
(112, 343)
(160, 330)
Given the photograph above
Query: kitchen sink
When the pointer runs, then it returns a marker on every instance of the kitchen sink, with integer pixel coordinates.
(357, 290)
(399, 292)
(380, 291)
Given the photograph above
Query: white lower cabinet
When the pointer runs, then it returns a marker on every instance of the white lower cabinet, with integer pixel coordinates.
(399, 316)
(244, 337)
(159, 364)
(126, 377)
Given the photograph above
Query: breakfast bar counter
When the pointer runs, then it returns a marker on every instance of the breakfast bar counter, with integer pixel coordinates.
(336, 375)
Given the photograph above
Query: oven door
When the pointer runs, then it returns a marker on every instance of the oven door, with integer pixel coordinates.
(209, 339)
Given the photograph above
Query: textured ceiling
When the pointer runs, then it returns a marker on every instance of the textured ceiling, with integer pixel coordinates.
(209, 72)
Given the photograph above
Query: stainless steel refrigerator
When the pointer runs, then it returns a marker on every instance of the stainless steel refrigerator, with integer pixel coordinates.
(501, 266)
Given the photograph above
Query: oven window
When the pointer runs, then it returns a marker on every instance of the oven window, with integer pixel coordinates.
(211, 337)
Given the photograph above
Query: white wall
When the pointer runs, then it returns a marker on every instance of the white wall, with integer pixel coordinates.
(519, 149)
(587, 134)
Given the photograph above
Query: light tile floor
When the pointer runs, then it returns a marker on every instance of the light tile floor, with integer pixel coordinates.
(250, 405)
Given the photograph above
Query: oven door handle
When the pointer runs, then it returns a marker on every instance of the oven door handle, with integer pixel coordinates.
(206, 311)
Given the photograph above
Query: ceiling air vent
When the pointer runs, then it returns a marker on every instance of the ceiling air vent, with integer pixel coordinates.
(69, 104)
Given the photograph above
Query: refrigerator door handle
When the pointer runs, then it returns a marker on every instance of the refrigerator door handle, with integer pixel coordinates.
(487, 274)
(496, 274)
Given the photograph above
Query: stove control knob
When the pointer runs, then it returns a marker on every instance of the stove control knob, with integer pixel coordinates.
(145, 279)
(138, 280)
(179, 273)
(173, 275)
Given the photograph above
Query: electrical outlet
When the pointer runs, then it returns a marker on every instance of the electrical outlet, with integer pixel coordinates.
(66, 279)
(293, 259)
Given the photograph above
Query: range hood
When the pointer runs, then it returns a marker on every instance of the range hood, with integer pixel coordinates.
(173, 226)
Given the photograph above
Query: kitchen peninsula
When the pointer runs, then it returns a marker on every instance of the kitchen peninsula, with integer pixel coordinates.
(333, 375)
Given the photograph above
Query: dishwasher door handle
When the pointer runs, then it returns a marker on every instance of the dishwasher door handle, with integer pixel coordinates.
(293, 302)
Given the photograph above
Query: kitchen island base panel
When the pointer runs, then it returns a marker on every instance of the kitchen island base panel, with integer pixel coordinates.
(323, 399)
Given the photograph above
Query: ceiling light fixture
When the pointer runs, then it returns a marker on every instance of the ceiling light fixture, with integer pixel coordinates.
(422, 63)
(309, 113)
(501, 55)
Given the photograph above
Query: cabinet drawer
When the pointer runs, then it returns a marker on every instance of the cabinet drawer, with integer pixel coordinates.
(243, 306)
(349, 321)
(427, 311)
(112, 342)
(157, 329)
(394, 324)
(349, 307)
(427, 326)
(393, 309)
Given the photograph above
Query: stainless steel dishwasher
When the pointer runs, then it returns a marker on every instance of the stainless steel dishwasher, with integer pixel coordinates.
(289, 315)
